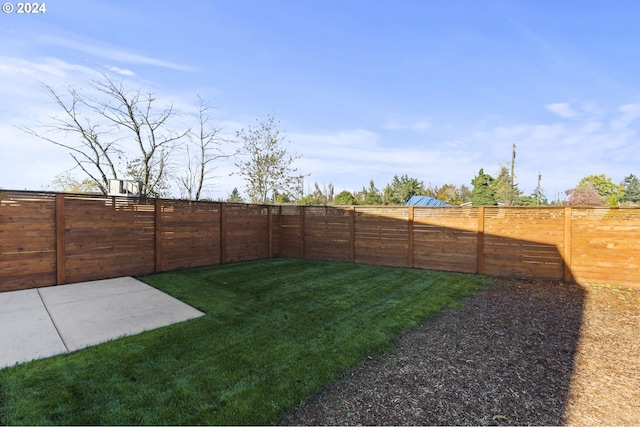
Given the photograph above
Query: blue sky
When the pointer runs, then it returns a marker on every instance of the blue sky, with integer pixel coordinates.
(363, 89)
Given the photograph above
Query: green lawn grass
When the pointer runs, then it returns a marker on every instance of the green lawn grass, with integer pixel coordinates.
(275, 331)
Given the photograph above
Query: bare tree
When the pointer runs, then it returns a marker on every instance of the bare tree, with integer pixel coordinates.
(102, 123)
(134, 112)
(203, 148)
(268, 166)
(91, 148)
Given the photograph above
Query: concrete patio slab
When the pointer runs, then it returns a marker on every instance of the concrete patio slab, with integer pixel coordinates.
(43, 322)
(26, 330)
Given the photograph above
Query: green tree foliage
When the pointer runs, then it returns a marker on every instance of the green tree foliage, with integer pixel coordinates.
(373, 196)
(401, 189)
(449, 193)
(533, 200)
(631, 185)
(482, 193)
(281, 198)
(67, 183)
(344, 198)
(504, 189)
(603, 185)
(235, 197)
(368, 196)
(310, 200)
(320, 196)
(465, 194)
(266, 164)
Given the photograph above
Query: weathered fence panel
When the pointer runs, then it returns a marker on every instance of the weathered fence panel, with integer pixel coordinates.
(27, 240)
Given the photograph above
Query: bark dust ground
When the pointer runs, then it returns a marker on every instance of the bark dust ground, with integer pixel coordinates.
(520, 352)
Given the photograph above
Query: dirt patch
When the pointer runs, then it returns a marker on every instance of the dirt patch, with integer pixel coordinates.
(518, 353)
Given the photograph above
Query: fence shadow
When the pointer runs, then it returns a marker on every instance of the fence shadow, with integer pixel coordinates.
(506, 356)
(507, 353)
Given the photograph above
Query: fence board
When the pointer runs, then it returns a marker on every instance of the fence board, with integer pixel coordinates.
(327, 234)
(246, 232)
(107, 237)
(27, 240)
(189, 235)
(609, 245)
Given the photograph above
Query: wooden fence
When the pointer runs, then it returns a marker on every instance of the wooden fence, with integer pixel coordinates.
(48, 238)
(586, 244)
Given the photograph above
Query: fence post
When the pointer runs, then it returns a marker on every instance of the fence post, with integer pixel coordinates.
(480, 250)
(157, 216)
(223, 238)
(410, 235)
(302, 215)
(280, 233)
(352, 233)
(61, 275)
(270, 231)
(567, 276)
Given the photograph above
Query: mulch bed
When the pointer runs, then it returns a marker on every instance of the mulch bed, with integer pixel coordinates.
(518, 353)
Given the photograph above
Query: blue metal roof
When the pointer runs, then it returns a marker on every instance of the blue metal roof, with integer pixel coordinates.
(424, 201)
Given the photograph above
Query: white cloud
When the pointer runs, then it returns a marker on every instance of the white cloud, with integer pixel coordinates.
(630, 113)
(122, 71)
(350, 158)
(19, 68)
(98, 49)
(564, 152)
(562, 109)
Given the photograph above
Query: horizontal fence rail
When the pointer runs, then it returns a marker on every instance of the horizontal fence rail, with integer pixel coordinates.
(53, 238)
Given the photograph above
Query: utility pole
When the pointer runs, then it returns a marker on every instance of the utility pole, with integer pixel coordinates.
(538, 189)
(513, 164)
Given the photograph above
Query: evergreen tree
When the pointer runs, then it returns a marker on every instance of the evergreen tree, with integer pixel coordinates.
(482, 193)
(372, 195)
(503, 187)
(235, 197)
(631, 185)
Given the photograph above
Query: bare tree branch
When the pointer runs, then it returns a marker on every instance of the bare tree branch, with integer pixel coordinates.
(207, 149)
(95, 128)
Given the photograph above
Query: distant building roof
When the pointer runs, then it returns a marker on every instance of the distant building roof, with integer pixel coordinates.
(425, 201)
